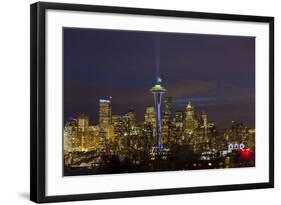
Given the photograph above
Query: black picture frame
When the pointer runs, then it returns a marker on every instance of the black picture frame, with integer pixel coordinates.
(38, 103)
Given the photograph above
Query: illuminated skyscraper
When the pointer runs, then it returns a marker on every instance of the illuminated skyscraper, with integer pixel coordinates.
(190, 121)
(204, 122)
(93, 139)
(177, 129)
(150, 116)
(166, 121)
(178, 120)
(204, 119)
(118, 125)
(71, 140)
(165, 133)
(76, 134)
(158, 91)
(106, 132)
(167, 110)
(150, 120)
(83, 131)
(149, 126)
(119, 130)
(132, 117)
(104, 113)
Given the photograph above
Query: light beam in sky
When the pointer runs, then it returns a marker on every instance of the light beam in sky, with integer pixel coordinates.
(157, 52)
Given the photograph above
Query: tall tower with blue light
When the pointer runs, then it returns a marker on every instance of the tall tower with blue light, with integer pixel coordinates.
(158, 91)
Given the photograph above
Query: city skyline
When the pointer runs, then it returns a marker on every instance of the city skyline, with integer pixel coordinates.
(162, 142)
(158, 101)
(226, 93)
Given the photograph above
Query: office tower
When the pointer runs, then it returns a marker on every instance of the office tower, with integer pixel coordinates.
(204, 120)
(132, 117)
(148, 134)
(83, 131)
(76, 134)
(157, 90)
(67, 139)
(106, 132)
(93, 139)
(165, 133)
(102, 141)
(167, 110)
(70, 136)
(110, 133)
(177, 130)
(104, 113)
(166, 121)
(190, 121)
(150, 116)
(119, 130)
(204, 124)
(178, 119)
(150, 123)
(118, 125)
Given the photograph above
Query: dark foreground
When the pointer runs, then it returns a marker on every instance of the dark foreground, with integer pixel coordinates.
(89, 164)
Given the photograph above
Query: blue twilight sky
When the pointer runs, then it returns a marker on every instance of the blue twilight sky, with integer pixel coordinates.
(216, 73)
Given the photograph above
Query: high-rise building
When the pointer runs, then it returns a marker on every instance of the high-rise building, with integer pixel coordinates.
(178, 119)
(132, 117)
(166, 119)
(165, 133)
(204, 120)
(131, 124)
(118, 125)
(83, 122)
(167, 110)
(148, 134)
(150, 116)
(71, 140)
(150, 123)
(76, 134)
(119, 130)
(158, 90)
(83, 131)
(177, 130)
(190, 121)
(104, 113)
(204, 123)
(106, 130)
(93, 139)
(110, 133)
(102, 141)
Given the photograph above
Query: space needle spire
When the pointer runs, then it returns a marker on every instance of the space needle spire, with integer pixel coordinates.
(158, 90)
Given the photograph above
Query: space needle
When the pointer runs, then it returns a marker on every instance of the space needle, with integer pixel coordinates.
(158, 90)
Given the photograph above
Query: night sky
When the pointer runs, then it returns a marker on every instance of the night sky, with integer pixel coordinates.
(216, 73)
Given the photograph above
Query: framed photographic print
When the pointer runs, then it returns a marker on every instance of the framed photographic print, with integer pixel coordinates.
(129, 102)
